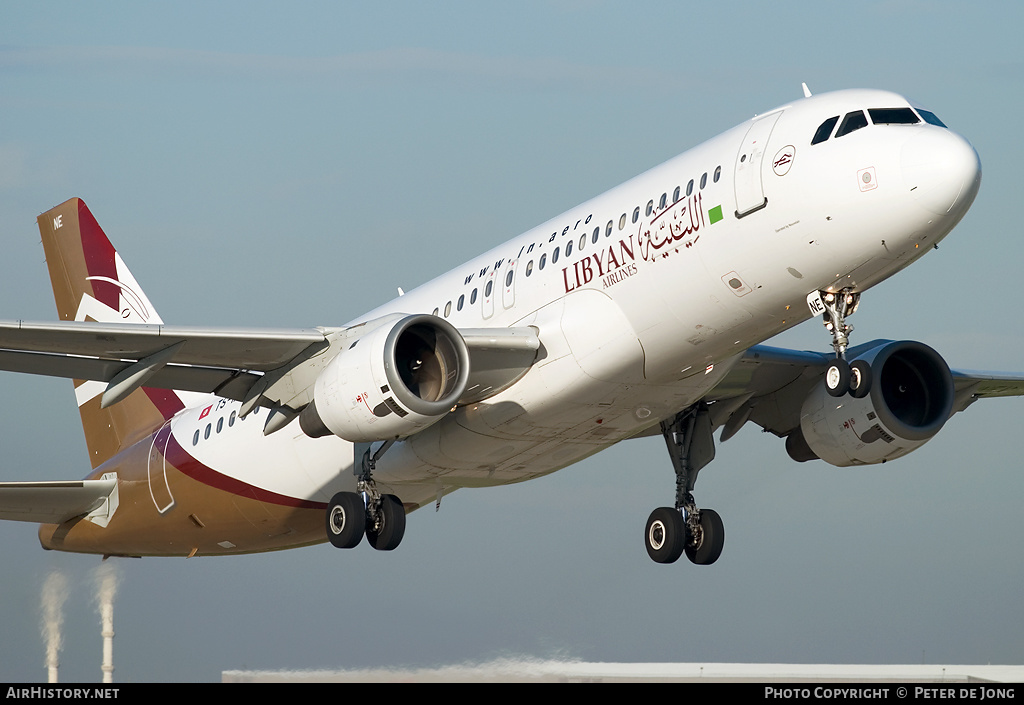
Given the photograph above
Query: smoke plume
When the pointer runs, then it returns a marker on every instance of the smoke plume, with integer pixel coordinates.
(55, 592)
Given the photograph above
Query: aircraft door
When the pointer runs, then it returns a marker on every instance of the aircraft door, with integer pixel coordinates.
(749, 187)
(159, 490)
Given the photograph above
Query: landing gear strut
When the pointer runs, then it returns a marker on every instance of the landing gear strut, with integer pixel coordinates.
(842, 377)
(380, 516)
(672, 531)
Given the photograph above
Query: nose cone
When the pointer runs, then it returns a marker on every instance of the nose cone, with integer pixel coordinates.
(942, 171)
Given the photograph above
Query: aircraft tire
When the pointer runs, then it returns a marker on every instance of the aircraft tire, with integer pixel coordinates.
(346, 520)
(392, 528)
(860, 379)
(665, 535)
(837, 377)
(712, 539)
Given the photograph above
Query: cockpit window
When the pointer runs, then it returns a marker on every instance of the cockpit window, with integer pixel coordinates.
(893, 116)
(931, 118)
(852, 121)
(825, 130)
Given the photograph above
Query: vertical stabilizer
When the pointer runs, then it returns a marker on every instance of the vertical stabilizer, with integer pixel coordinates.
(91, 283)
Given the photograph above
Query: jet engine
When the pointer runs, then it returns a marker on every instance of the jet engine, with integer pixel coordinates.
(398, 378)
(910, 398)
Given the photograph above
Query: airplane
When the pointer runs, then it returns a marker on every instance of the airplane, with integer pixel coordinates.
(640, 312)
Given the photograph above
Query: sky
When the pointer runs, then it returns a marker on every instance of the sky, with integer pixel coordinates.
(292, 165)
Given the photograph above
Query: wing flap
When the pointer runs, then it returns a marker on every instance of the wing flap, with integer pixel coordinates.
(53, 502)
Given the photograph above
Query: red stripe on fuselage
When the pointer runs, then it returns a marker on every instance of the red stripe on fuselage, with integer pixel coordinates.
(165, 400)
(188, 465)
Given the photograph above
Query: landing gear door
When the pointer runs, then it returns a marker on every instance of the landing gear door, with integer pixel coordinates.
(749, 187)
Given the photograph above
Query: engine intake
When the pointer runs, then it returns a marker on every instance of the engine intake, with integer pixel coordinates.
(910, 400)
(398, 378)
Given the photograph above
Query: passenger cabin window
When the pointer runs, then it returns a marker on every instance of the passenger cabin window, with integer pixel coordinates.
(931, 118)
(852, 121)
(893, 116)
(675, 195)
(824, 130)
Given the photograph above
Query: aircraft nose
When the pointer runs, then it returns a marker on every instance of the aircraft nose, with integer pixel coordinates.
(942, 170)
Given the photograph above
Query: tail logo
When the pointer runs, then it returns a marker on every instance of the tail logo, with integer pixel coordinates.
(133, 307)
(131, 302)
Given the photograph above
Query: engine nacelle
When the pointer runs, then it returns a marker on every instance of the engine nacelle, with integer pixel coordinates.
(910, 399)
(397, 379)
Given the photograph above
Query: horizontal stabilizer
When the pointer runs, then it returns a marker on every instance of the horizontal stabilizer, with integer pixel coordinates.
(53, 502)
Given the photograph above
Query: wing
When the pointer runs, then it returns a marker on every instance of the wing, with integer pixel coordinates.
(769, 386)
(224, 362)
(249, 365)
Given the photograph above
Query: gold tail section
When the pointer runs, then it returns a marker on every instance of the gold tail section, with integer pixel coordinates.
(91, 283)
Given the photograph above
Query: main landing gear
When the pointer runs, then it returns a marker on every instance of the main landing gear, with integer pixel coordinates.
(842, 377)
(381, 517)
(672, 531)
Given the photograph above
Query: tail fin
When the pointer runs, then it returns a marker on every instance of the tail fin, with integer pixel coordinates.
(91, 283)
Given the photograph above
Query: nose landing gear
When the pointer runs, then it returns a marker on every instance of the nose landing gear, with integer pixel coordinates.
(842, 377)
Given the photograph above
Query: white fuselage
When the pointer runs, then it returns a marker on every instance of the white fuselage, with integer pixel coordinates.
(643, 297)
